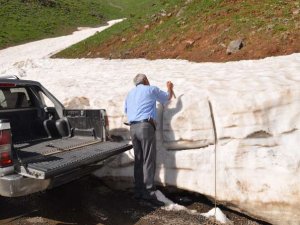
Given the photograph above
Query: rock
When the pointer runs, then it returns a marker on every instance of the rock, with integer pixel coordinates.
(188, 2)
(284, 36)
(163, 13)
(181, 22)
(189, 43)
(260, 29)
(270, 26)
(169, 14)
(127, 53)
(181, 12)
(285, 21)
(212, 26)
(123, 39)
(147, 27)
(154, 18)
(227, 29)
(296, 11)
(234, 46)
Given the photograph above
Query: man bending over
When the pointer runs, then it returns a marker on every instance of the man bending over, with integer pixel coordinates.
(140, 107)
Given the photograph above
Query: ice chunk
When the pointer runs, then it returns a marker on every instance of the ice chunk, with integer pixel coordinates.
(218, 214)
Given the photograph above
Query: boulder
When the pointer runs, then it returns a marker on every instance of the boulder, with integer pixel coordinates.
(234, 46)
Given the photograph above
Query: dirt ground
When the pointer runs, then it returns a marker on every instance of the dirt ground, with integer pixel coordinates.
(204, 47)
(90, 201)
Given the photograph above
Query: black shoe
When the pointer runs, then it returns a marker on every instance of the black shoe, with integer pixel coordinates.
(156, 202)
(151, 198)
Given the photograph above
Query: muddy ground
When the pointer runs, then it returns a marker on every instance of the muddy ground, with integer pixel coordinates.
(91, 201)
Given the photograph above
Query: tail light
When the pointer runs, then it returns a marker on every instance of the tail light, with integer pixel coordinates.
(7, 85)
(5, 148)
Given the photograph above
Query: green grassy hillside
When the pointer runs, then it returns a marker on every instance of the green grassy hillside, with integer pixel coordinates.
(26, 20)
(138, 14)
(198, 30)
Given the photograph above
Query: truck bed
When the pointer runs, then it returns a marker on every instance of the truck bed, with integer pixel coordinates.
(44, 159)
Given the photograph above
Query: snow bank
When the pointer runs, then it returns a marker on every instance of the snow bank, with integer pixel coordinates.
(170, 205)
(218, 215)
(256, 105)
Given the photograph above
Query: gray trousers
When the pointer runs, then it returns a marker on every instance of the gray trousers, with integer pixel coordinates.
(144, 145)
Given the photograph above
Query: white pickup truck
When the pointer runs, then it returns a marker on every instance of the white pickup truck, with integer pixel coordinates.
(44, 145)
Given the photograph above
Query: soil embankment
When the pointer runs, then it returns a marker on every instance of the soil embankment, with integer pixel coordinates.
(200, 31)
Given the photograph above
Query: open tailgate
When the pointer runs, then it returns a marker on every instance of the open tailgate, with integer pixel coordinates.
(46, 159)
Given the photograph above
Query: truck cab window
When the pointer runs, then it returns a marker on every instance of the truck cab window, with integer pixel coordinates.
(3, 103)
(14, 98)
(45, 100)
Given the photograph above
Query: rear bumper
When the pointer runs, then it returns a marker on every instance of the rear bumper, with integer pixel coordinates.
(16, 185)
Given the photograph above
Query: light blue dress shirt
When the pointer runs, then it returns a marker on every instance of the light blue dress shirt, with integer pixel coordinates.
(140, 103)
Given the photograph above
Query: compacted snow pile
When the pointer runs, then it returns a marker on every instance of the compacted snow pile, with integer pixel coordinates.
(256, 106)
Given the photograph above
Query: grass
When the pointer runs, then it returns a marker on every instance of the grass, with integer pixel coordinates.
(27, 20)
(167, 20)
(242, 18)
(138, 13)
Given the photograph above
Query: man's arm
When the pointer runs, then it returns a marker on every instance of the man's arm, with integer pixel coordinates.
(163, 96)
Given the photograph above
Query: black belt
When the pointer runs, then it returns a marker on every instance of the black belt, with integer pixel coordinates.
(151, 121)
(140, 121)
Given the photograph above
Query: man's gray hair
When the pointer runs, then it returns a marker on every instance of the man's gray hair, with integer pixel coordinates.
(139, 79)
